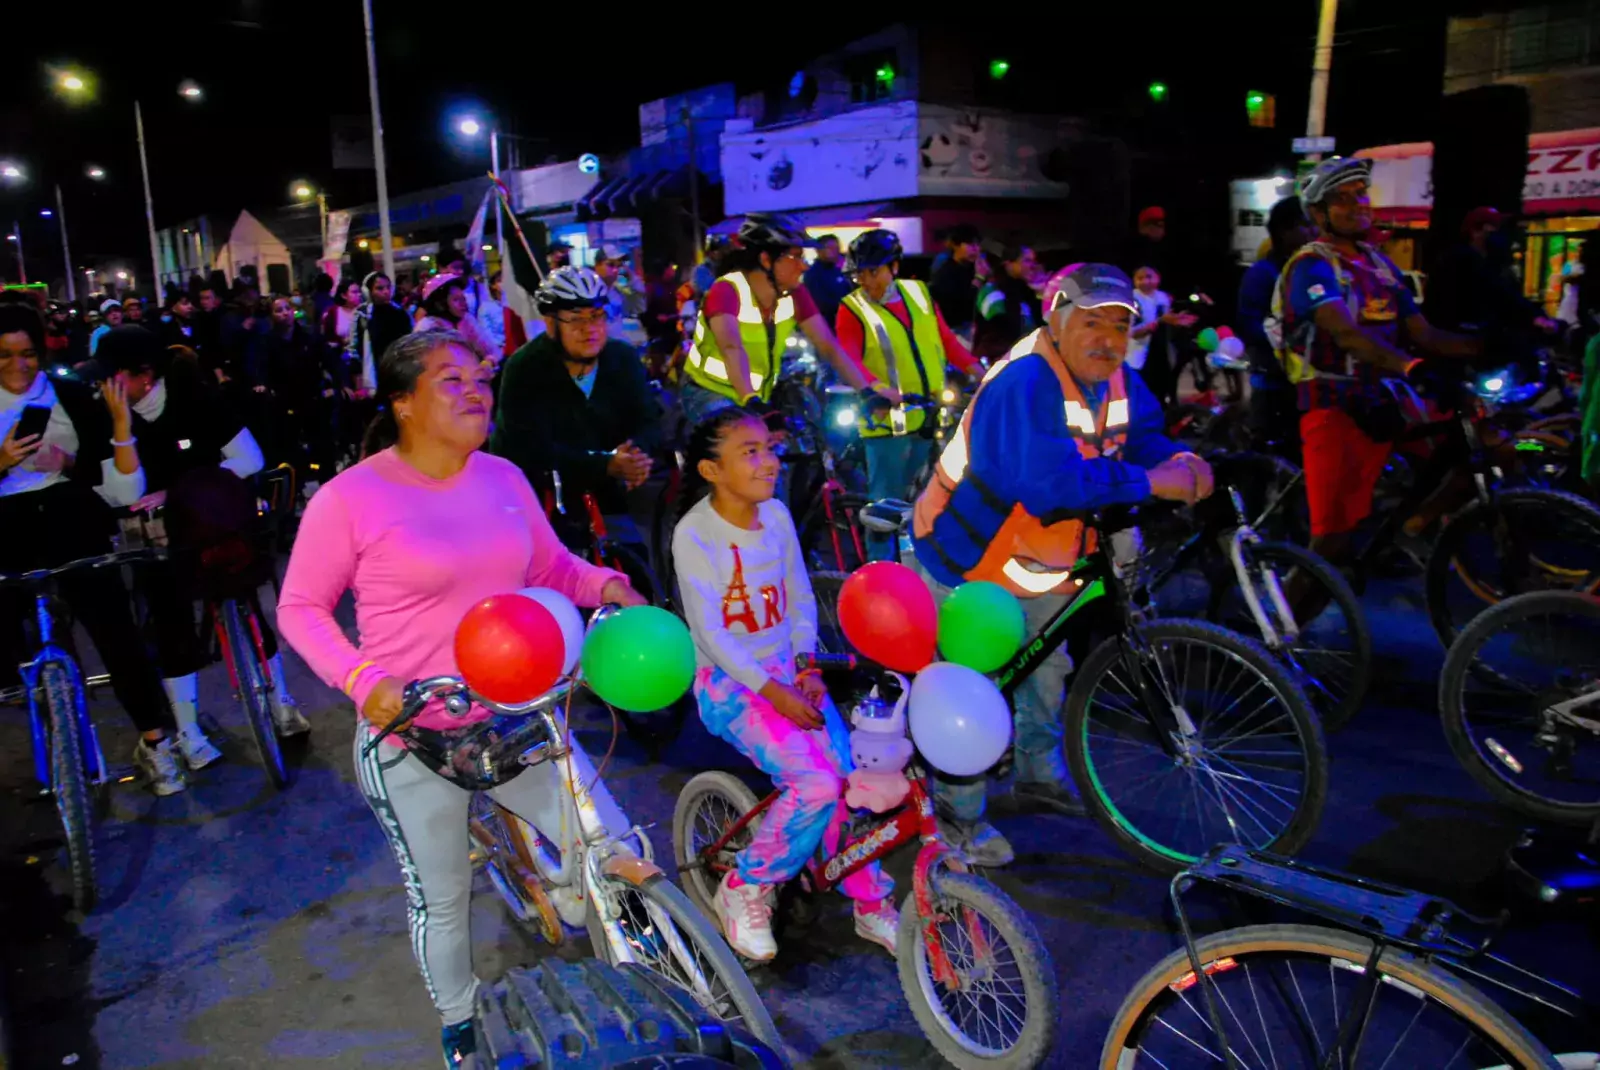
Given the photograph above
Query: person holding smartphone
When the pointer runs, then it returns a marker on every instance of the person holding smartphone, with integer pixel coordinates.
(66, 457)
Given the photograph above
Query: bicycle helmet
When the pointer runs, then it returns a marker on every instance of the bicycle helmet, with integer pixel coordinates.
(875, 248)
(568, 288)
(775, 232)
(1332, 173)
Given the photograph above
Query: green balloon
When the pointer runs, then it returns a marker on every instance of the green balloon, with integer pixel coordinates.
(1208, 339)
(639, 659)
(981, 626)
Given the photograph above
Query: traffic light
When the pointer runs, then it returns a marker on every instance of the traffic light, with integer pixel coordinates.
(1261, 108)
(1158, 92)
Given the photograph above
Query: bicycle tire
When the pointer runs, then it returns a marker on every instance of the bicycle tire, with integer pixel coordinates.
(541, 921)
(559, 1013)
(1224, 950)
(737, 800)
(69, 784)
(1037, 974)
(1163, 858)
(649, 884)
(1335, 711)
(1459, 664)
(254, 688)
(1478, 517)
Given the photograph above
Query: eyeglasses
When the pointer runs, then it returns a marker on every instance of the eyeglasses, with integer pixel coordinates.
(596, 318)
(793, 254)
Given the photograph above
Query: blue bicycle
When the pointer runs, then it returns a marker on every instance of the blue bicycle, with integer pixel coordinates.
(67, 760)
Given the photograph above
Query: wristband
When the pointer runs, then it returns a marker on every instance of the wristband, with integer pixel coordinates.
(124, 442)
(354, 675)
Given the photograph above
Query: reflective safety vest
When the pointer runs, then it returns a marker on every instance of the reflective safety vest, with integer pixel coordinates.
(918, 364)
(1025, 555)
(764, 344)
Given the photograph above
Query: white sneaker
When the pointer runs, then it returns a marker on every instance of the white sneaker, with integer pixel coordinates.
(881, 927)
(745, 914)
(160, 766)
(198, 751)
(287, 716)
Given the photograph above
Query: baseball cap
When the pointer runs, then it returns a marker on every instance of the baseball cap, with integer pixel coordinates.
(1094, 285)
(109, 304)
(1154, 214)
(609, 251)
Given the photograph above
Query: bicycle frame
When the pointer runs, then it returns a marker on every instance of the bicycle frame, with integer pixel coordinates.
(913, 819)
(229, 655)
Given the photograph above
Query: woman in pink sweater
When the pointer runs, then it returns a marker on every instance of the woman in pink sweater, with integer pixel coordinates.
(419, 532)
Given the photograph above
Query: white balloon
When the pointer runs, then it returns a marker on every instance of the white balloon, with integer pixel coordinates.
(1231, 347)
(567, 616)
(959, 720)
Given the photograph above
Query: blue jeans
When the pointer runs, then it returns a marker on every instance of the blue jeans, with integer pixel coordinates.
(1036, 714)
(892, 463)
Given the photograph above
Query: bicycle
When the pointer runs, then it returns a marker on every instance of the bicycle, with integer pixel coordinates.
(1329, 651)
(1519, 700)
(1538, 538)
(632, 913)
(67, 759)
(1379, 982)
(1133, 711)
(996, 951)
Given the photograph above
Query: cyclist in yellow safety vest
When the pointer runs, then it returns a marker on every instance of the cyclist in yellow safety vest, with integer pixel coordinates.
(1057, 430)
(894, 329)
(747, 318)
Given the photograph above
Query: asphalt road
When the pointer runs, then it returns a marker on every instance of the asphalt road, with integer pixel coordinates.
(244, 927)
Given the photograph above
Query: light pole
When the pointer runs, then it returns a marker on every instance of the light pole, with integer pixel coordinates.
(377, 143)
(66, 250)
(304, 192)
(470, 127)
(16, 237)
(1321, 70)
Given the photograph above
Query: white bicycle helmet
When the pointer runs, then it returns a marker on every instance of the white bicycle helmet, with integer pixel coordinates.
(568, 288)
(1332, 173)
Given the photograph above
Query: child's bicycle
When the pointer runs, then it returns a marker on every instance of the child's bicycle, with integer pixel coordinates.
(633, 914)
(974, 970)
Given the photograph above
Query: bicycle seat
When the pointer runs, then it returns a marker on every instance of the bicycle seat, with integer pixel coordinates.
(888, 516)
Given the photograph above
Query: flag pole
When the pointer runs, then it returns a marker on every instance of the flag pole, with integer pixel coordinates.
(516, 228)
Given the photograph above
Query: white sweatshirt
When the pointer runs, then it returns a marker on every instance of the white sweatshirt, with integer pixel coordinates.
(746, 593)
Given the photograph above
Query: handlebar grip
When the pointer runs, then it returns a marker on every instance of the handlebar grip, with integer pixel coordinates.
(827, 662)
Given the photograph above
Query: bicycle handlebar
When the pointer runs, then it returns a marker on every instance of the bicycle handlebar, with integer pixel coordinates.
(459, 699)
(120, 557)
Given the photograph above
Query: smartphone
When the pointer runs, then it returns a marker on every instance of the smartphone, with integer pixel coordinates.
(35, 418)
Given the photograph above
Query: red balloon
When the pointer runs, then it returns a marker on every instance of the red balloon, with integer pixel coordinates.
(1224, 332)
(509, 648)
(888, 614)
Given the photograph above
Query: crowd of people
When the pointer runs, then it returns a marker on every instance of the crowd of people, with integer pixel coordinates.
(420, 439)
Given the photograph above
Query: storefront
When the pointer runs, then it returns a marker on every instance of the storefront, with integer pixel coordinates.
(1560, 204)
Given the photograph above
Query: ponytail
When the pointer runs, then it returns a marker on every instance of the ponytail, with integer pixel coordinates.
(705, 444)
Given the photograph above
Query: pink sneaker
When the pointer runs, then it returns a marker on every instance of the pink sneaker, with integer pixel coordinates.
(745, 913)
(880, 924)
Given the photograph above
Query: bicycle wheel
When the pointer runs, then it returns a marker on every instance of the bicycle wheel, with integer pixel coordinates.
(1501, 680)
(656, 729)
(506, 860)
(665, 934)
(1246, 766)
(1285, 994)
(1525, 539)
(1003, 1013)
(825, 587)
(255, 690)
(1332, 653)
(706, 807)
(69, 780)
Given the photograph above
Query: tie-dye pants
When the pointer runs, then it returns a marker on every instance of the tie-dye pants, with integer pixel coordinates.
(808, 767)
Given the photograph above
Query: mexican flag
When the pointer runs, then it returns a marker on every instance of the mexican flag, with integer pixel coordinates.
(520, 275)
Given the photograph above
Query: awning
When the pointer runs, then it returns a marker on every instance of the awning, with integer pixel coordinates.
(627, 194)
(839, 215)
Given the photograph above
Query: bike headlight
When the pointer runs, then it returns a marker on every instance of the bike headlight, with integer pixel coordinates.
(1493, 384)
(845, 417)
(948, 396)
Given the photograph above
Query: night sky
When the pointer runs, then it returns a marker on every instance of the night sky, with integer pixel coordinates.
(274, 71)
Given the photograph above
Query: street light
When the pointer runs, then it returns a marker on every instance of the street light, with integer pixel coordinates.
(470, 127)
(188, 88)
(10, 170)
(122, 276)
(95, 173)
(303, 191)
(73, 83)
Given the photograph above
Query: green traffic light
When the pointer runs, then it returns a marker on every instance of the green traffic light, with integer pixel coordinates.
(1158, 91)
(998, 68)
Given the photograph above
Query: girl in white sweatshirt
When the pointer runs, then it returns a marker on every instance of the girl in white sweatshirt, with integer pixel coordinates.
(751, 610)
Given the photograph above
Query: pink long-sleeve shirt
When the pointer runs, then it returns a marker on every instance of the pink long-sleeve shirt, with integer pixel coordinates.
(418, 552)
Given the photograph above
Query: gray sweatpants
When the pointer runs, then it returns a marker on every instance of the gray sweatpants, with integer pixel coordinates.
(425, 818)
